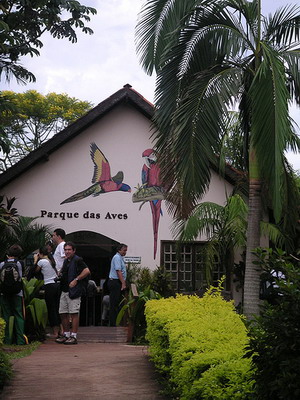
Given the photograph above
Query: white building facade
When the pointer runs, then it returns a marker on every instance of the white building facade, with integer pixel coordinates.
(62, 183)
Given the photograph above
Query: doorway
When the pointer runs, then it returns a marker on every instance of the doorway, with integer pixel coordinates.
(97, 251)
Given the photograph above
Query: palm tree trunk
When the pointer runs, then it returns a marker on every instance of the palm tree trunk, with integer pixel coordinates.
(252, 271)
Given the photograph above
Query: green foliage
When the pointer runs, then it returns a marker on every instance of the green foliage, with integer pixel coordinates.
(211, 56)
(35, 309)
(159, 280)
(150, 285)
(5, 369)
(17, 351)
(16, 229)
(144, 278)
(31, 289)
(2, 331)
(133, 310)
(22, 23)
(198, 343)
(274, 335)
(233, 151)
(12, 352)
(225, 228)
(31, 118)
(225, 381)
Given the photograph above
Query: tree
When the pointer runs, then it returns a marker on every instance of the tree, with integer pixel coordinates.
(22, 23)
(274, 335)
(210, 55)
(33, 118)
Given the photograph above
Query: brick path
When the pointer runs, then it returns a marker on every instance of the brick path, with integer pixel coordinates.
(85, 371)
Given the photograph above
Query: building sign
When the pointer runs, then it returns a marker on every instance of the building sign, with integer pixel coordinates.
(132, 260)
(86, 215)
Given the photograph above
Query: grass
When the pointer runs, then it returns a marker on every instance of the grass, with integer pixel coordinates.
(9, 353)
(14, 351)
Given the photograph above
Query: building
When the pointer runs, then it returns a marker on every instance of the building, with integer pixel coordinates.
(87, 179)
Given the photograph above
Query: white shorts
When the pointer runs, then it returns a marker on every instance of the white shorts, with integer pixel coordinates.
(67, 305)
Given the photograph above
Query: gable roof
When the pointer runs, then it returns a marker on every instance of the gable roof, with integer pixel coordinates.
(126, 95)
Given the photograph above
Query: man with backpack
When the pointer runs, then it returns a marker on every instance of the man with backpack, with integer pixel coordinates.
(73, 281)
(12, 294)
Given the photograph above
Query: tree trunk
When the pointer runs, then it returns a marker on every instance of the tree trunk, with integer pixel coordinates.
(252, 272)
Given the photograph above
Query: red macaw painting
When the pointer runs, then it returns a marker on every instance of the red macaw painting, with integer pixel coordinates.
(102, 180)
(151, 190)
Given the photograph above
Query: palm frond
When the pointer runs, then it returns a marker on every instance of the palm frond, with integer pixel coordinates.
(283, 27)
(156, 29)
(271, 125)
(292, 59)
(273, 233)
(206, 219)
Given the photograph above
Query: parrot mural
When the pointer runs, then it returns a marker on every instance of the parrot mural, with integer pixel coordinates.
(102, 180)
(151, 190)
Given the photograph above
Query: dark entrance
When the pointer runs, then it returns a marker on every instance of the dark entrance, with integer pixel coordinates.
(97, 251)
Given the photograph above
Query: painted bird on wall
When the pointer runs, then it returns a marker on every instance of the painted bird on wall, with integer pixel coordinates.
(102, 180)
(150, 179)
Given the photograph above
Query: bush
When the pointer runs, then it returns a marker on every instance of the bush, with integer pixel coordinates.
(198, 343)
(275, 334)
(5, 367)
(2, 330)
(159, 280)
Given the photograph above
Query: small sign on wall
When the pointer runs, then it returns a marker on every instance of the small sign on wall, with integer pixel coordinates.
(132, 260)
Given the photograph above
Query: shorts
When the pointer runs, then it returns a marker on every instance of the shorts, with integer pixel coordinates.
(67, 305)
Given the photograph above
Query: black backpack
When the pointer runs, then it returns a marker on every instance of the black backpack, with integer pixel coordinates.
(10, 278)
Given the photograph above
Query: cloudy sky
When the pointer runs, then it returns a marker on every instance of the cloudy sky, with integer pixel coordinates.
(99, 65)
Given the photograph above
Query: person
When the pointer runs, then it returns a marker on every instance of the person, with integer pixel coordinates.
(117, 282)
(105, 303)
(58, 238)
(50, 247)
(46, 265)
(12, 305)
(73, 272)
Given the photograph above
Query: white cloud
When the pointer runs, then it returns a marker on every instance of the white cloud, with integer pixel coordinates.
(99, 65)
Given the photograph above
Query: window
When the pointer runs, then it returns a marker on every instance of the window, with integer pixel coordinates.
(186, 267)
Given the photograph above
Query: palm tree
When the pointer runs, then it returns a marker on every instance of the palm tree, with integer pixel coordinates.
(224, 226)
(16, 229)
(211, 55)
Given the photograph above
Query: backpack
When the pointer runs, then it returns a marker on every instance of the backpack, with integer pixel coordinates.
(10, 278)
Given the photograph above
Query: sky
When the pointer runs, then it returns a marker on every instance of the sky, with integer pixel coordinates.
(100, 64)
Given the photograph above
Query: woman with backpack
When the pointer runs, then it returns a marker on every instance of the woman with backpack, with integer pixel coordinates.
(46, 265)
(11, 298)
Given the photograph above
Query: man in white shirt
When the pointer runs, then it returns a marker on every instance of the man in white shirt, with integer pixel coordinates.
(58, 237)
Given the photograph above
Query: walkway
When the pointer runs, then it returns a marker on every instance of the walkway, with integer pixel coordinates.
(85, 371)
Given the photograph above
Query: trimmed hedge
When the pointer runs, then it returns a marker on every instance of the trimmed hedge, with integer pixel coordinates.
(199, 344)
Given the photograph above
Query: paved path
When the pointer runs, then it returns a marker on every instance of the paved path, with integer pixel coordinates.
(83, 372)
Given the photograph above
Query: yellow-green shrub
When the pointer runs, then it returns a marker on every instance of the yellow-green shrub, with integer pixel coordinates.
(5, 366)
(2, 330)
(190, 337)
(227, 380)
